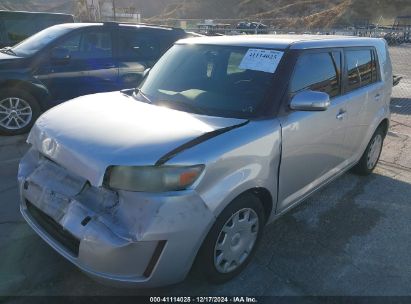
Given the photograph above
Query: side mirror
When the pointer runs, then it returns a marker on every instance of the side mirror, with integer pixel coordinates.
(310, 101)
(60, 55)
(146, 72)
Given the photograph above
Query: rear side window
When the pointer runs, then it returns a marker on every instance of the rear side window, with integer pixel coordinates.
(362, 68)
(317, 72)
(93, 44)
(142, 46)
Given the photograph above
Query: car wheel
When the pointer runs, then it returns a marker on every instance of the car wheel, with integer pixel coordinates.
(18, 111)
(371, 154)
(232, 241)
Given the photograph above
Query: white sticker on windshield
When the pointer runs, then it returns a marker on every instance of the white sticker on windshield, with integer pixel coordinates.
(261, 60)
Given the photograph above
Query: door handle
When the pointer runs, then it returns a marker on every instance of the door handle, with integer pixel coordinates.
(341, 115)
(377, 97)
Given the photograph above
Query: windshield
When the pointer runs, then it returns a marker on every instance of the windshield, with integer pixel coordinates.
(38, 41)
(208, 79)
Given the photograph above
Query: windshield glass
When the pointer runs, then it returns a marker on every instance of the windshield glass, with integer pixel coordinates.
(38, 41)
(207, 79)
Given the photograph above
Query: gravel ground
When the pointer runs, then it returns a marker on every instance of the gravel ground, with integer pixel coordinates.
(350, 238)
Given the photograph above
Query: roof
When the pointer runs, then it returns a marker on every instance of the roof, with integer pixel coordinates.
(74, 25)
(284, 41)
(113, 24)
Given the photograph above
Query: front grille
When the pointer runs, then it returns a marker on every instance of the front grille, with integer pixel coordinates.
(54, 229)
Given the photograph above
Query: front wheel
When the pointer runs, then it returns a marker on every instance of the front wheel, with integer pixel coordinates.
(232, 241)
(18, 112)
(371, 155)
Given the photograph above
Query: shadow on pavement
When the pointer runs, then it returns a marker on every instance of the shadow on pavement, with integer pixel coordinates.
(401, 105)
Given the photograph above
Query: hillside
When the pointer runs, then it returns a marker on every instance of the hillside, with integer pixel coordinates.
(298, 13)
(149, 8)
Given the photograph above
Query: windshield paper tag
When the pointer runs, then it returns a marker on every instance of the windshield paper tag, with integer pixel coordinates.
(261, 60)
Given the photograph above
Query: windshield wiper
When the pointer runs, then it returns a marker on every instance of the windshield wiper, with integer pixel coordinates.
(8, 50)
(139, 92)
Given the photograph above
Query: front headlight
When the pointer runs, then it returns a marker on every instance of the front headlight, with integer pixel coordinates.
(152, 178)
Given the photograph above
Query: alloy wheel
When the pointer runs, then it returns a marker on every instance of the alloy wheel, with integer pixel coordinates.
(15, 113)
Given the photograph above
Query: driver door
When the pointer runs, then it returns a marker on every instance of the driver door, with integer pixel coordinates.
(313, 145)
(88, 68)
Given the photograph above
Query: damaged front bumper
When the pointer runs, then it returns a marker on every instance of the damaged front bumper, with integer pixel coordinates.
(121, 238)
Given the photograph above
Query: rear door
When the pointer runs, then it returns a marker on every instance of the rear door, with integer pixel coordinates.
(97, 54)
(313, 147)
(365, 93)
(138, 50)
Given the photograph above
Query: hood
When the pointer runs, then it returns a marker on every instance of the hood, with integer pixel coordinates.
(4, 56)
(10, 61)
(88, 134)
(8, 57)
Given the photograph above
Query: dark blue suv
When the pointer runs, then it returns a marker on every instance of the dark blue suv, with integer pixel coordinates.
(70, 60)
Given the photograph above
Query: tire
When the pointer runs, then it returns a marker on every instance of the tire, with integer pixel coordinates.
(240, 241)
(371, 155)
(18, 111)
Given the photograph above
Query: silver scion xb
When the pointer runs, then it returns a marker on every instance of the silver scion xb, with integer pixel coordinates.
(223, 136)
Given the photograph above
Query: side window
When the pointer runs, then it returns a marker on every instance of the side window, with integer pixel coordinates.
(138, 45)
(88, 45)
(72, 43)
(361, 67)
(318, 72)
(95, 44)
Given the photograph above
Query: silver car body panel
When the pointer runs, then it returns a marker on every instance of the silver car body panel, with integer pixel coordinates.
(119, 232)
(88, 134)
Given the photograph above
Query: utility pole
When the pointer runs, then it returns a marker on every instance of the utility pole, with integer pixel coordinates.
(114, 10)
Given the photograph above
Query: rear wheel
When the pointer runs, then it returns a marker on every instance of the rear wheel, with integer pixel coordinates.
(232, 241)
(371, 155)
(18, 112)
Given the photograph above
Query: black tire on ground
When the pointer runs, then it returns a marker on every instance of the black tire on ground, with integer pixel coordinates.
(364, 167)
(205, 260)
(32, 103)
